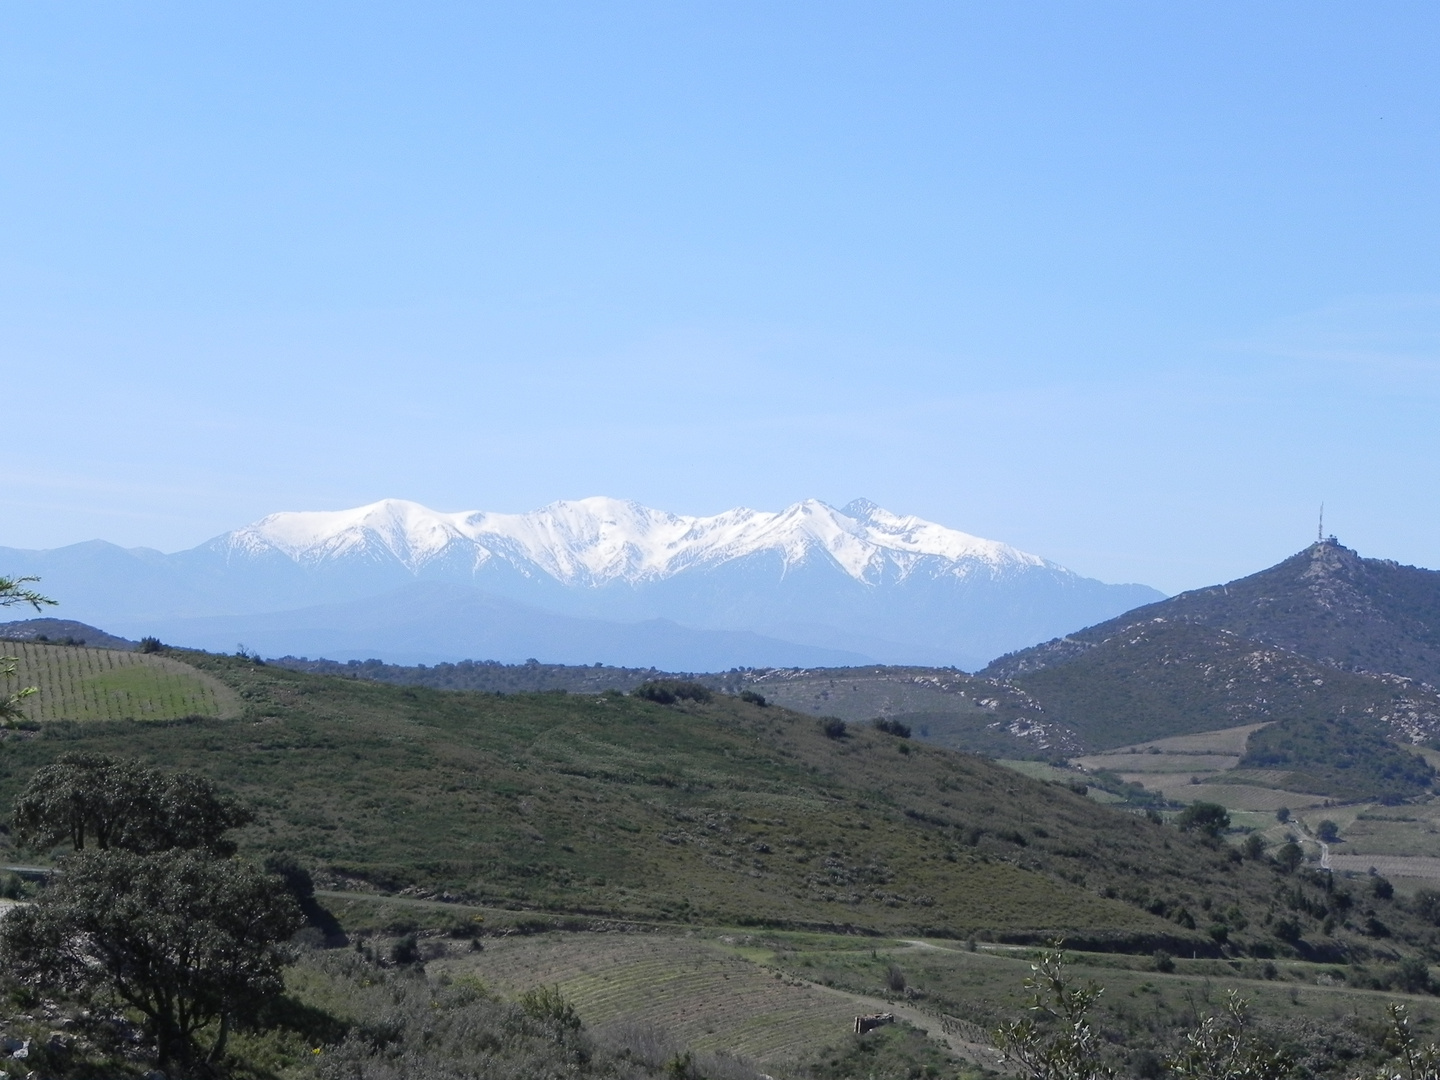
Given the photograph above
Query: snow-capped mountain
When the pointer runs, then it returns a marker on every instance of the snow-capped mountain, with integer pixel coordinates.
(597, 541)
(809, 584)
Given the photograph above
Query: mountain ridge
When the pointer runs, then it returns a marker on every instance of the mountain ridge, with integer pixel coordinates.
(597, 540)
(861, 581)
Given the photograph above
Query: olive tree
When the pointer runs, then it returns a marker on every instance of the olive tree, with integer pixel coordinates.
(16, 591)
(186, 939)
(1056, 1042)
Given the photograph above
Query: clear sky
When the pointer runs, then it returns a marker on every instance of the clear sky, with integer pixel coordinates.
(1134, 286)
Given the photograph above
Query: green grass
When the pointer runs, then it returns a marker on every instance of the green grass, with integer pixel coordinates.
(1321, 1011)
(77, 683)
(722, 813)
(785, 998)
(612, 806)
(694, 987)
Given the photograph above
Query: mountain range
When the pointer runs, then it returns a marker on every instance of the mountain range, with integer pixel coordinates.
(591, 580)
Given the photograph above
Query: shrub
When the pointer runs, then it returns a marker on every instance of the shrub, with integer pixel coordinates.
(669, 691)
(1282, 815)
(753, 698)
(1164, 962)
(895, 978)
(548, 1006)
(1413, 976)
(1289, 856)
(406, 950)
(892, 727)
(1381, 888)
(833, 727)
(1206, 817)
(1427, 905)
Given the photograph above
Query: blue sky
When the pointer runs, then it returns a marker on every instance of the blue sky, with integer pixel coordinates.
(1132, 286)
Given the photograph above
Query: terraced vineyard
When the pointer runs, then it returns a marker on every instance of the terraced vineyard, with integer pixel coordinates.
(103, 684)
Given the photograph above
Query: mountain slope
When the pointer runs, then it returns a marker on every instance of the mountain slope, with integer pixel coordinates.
(1155, 679)
(859, 581)
(1325, 602)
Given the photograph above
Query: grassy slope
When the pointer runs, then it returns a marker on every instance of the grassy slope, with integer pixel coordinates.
(942, 706)
(715, 813)
(77, 683)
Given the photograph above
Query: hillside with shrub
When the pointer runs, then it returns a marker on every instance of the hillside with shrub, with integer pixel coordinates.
(719, 811)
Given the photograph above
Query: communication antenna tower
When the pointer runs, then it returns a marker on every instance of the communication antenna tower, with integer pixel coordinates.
(1320, 532)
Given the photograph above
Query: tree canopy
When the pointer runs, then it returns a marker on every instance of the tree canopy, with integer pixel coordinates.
(151, 909)
(1206, 817)
(91, 799)
(181, 937)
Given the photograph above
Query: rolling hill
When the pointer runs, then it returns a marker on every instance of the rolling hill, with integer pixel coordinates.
(719, 812)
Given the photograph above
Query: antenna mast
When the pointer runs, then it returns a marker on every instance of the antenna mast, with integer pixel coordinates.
(1320, 532)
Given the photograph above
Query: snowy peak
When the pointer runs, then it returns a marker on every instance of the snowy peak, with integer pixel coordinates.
(598, 540)
(407, 531)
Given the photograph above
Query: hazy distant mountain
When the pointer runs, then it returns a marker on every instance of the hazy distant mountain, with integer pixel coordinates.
(430, 622)
(1326, 603)
(859, 582)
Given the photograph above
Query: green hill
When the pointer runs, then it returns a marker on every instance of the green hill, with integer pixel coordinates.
(720, 812)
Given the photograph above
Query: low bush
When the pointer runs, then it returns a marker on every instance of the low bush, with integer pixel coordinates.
(669, 691)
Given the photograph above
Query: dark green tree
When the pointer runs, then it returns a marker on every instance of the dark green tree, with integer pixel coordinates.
(1205, 817)
(104, 802)
(82, 799)
(1289, 856)
(183, 938)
